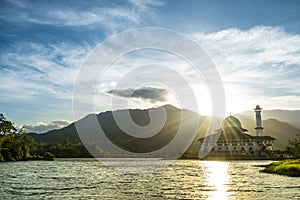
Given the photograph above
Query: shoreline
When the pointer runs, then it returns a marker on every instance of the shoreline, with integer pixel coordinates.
(285, 167)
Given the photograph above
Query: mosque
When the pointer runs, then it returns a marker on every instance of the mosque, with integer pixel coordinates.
(232, 139)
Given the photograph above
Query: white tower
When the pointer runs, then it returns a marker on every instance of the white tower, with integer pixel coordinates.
(259, 128)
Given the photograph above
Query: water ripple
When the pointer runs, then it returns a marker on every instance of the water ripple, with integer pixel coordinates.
(184, 179)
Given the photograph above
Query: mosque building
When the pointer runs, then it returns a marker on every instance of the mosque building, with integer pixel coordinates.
(232, 139)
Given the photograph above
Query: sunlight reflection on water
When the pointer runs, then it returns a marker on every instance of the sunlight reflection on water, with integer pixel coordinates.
(218, 178)
(183, 179)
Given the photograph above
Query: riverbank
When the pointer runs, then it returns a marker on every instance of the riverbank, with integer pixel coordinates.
(284, 167)
(48, 156)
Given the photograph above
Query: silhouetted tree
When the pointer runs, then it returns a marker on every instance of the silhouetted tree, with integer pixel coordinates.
(14, 144)
(6, 127)
(293, 147)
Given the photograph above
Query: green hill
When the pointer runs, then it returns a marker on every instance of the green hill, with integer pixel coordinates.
(176, 118)
(272, 127)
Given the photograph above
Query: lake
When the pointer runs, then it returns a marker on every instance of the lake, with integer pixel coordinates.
(182, 179)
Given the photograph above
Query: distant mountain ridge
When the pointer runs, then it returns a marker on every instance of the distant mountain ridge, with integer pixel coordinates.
(280, 130)
(289, 116)
(141, 117)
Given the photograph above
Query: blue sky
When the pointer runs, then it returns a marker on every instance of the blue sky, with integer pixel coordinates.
(255, 46)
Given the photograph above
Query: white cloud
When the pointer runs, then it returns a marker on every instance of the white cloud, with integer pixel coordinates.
(257, 65)
(108, 17)
(35, 69)
(259, 48)
(114, 18)
(41, 127)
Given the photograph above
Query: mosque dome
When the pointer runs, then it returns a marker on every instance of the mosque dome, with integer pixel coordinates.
(231, 122)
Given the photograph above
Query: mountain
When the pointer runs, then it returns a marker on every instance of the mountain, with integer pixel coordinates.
(176, 119)
(282, 131)
(289, 116)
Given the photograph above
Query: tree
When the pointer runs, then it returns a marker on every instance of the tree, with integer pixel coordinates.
(26, 143)
(6, 127)
(14, 144)
(293, 147)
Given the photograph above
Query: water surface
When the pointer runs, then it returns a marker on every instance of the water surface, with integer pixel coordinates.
(183, 179)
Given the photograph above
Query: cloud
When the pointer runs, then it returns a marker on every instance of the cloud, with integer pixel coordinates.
(145, 93)
(107, 17)
(260, 53)
(256, 65)
(94, 13)
(44, 127)
(259, 65)
(43, 47)
(32, 69)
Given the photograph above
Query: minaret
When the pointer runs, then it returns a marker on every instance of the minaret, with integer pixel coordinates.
(259, 128)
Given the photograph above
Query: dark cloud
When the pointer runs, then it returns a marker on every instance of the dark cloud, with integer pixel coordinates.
(43, 127)
(146, 93)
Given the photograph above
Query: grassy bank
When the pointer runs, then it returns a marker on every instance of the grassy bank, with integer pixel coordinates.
(284, 167)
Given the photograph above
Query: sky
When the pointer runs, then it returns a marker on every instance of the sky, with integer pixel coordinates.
(255, 46)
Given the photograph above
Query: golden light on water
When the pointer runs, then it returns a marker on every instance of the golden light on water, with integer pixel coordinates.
(217, 178)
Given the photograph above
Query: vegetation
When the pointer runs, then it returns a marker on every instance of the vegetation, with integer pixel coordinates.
(14, 144)
(64, 150)
(285, 167)
(49, 156)
(293, 148)
(15, 147)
